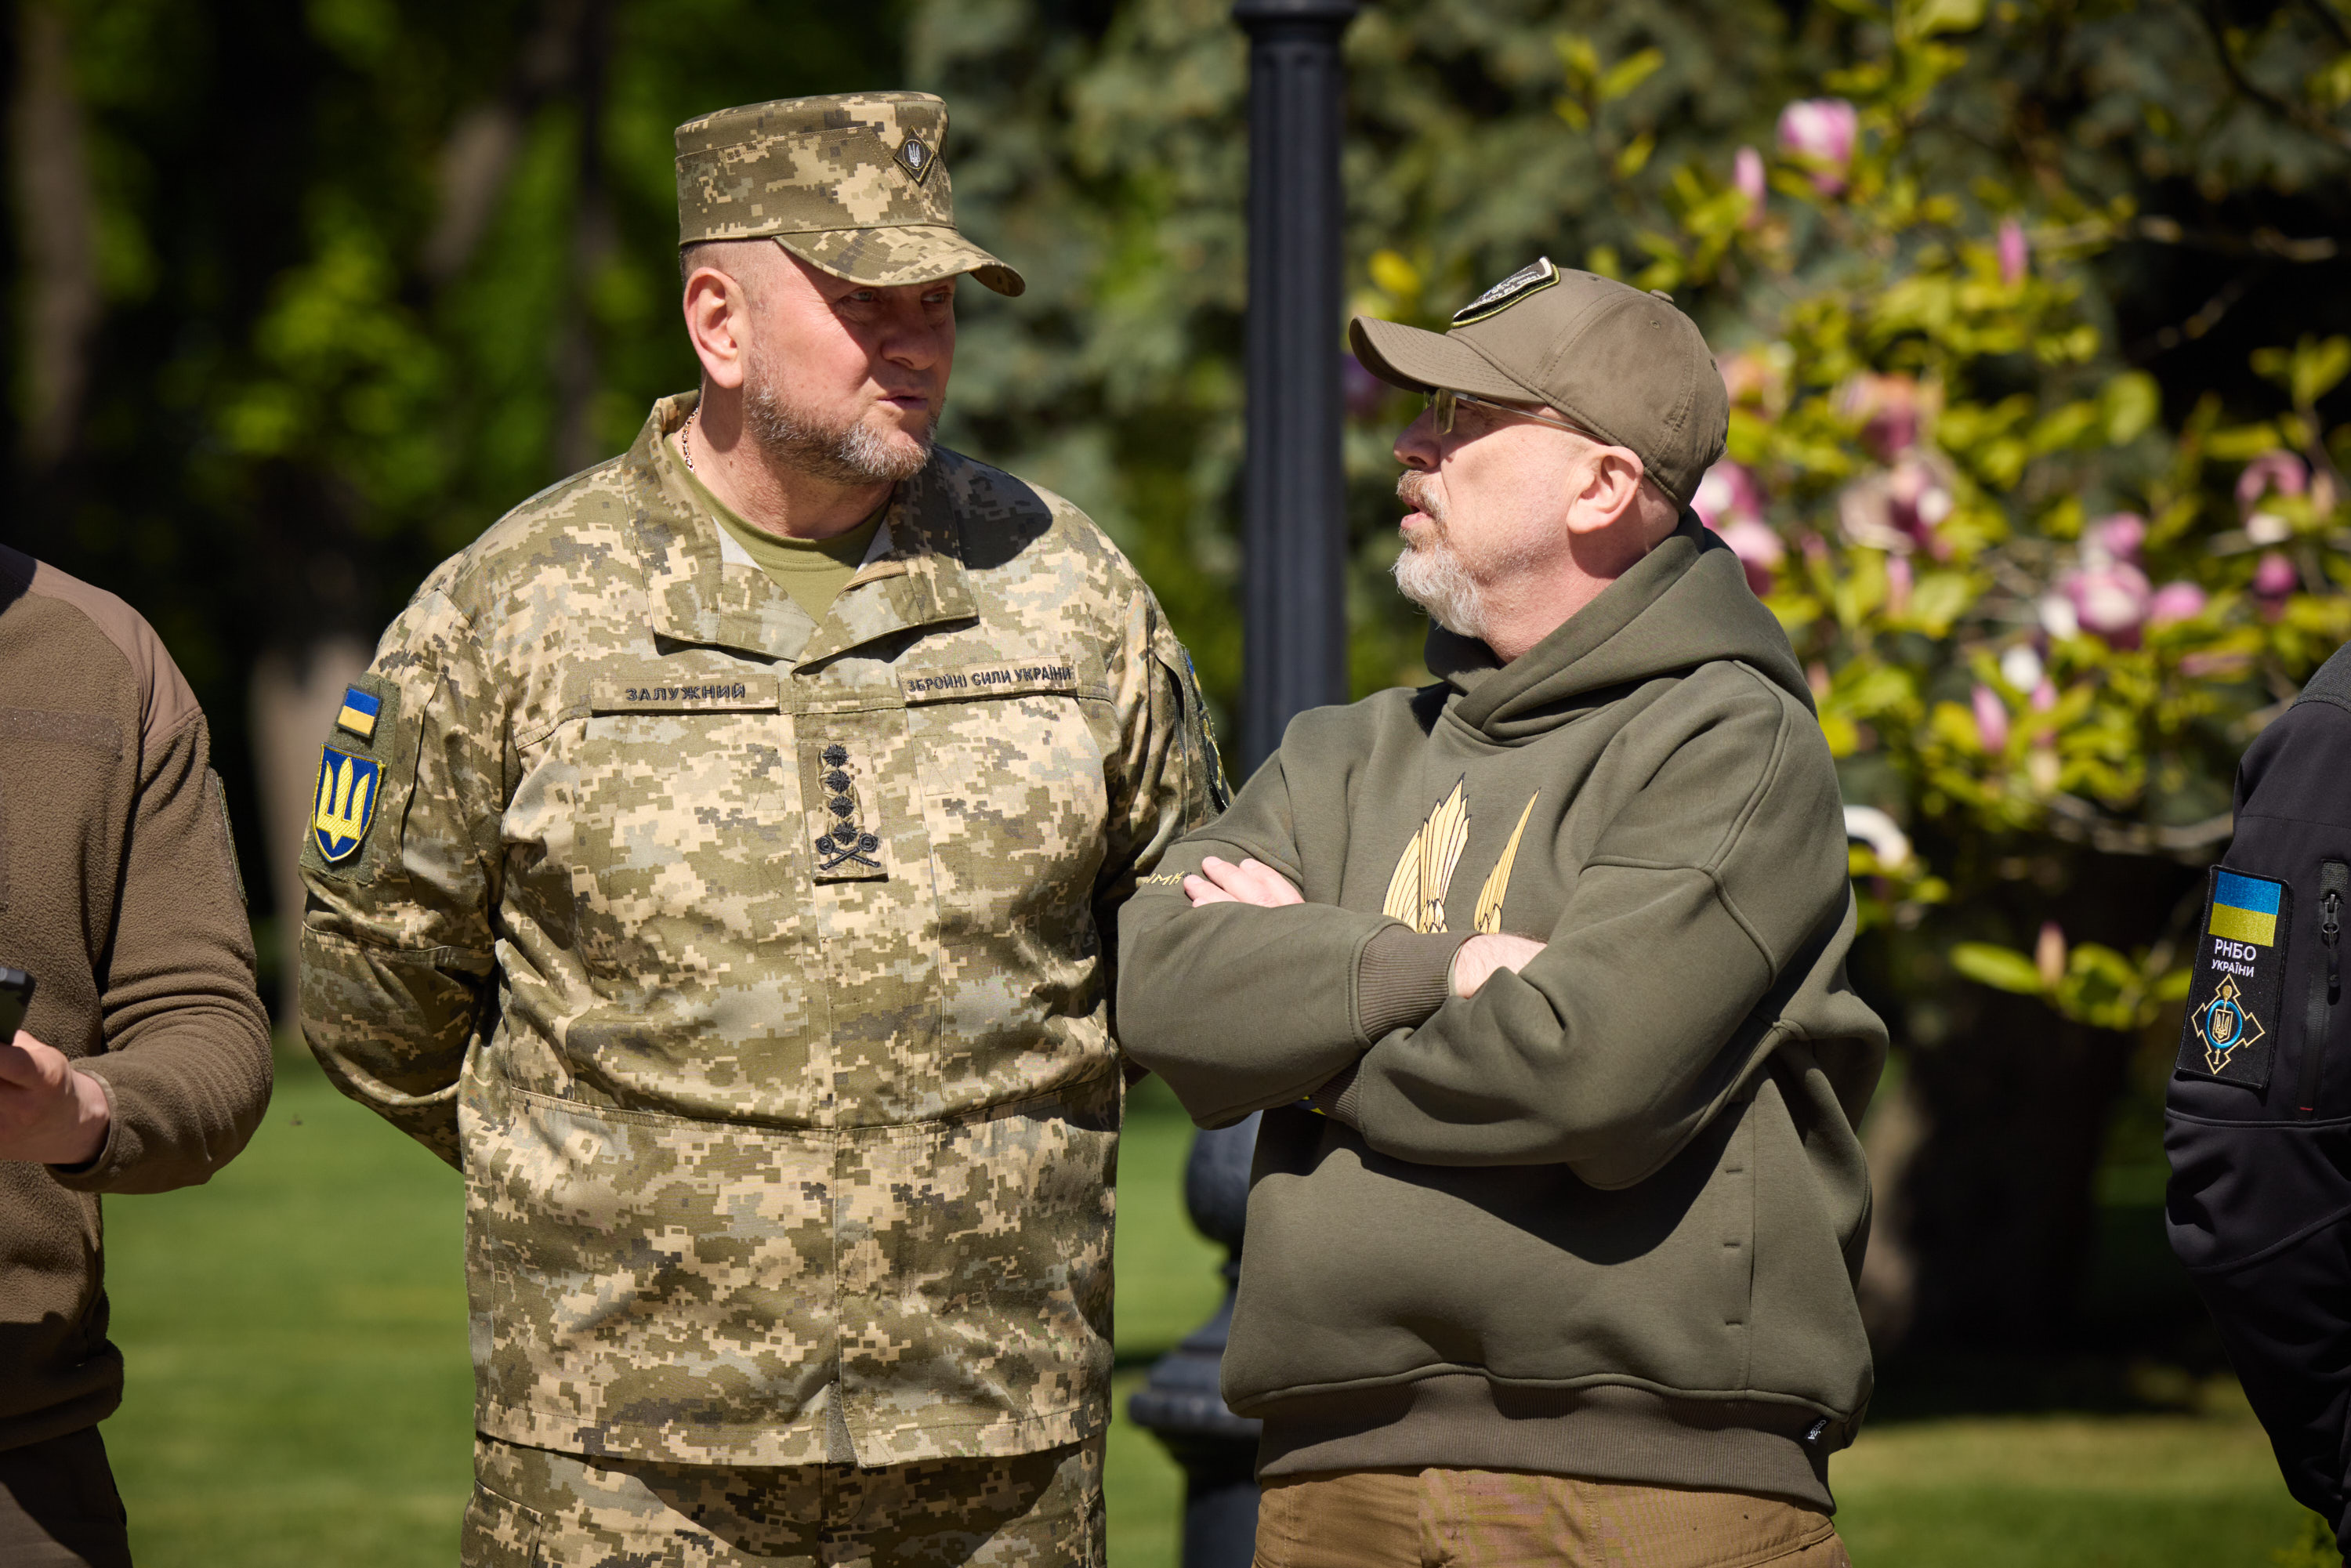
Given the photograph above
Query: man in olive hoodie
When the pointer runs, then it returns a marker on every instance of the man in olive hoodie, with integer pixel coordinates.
(1538, 975)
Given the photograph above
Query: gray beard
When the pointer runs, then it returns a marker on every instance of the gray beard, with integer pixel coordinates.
(1432, 575)
(788, 437)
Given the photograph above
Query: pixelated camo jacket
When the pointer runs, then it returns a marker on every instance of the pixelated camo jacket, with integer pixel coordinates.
(752, 970)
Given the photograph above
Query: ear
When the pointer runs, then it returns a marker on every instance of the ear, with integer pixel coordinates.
(1608, 490)
(717, 322)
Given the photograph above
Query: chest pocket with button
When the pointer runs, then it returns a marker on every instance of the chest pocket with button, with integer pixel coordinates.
(679, 785)
(1015, 801)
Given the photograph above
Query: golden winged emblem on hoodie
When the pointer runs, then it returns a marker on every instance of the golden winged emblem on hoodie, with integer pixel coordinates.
(1423, 872)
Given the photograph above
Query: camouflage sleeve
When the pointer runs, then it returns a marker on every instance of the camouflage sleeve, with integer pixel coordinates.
(400, 867)
(1168, 778)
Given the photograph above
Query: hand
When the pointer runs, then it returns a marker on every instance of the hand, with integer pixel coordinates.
(1477, 960)
(49, 1113)
(1251, 882)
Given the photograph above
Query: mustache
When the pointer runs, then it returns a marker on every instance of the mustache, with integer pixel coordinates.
(1418, 491)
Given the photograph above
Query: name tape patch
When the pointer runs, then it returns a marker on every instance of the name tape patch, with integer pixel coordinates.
(1016, 678)
(667, 693)
(2240, 978)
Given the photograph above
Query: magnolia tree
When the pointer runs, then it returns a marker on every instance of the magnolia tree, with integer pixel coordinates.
(2041, 621)
(2028, 605)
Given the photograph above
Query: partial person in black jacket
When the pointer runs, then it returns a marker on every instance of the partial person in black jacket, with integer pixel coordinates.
(2258, 1120)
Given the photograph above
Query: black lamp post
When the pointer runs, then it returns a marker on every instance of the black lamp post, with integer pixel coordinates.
(1295, 537)
(1294, 629)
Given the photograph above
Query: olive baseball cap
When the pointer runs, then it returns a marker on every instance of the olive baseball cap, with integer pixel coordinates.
(854, 184)
(1624, 365)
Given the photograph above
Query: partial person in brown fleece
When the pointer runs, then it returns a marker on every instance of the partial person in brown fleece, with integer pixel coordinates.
(143, 1063)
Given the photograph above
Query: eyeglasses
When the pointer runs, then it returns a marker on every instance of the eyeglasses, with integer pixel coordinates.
(1444, 401)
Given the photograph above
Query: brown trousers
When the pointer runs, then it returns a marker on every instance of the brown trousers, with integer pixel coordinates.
(1508, 1518)
(58, 1508)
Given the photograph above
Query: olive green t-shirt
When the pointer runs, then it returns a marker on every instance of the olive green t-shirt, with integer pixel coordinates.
(813, 571)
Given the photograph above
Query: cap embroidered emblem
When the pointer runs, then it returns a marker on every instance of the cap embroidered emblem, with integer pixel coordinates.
(1508, 292)
(915, 157)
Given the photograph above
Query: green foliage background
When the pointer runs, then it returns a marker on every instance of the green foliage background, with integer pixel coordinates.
(370, 272)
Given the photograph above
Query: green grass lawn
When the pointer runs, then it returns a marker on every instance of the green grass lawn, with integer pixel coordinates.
(298, 1388)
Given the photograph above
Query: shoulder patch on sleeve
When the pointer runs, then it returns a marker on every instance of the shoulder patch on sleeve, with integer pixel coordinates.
(2231, 1029)
(1200, 730)
(355, 768)
(359, 714)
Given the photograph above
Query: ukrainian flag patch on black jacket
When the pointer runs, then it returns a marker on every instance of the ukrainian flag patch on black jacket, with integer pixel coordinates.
(2232, 1000)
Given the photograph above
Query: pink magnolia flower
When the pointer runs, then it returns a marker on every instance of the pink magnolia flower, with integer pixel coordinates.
(2015, 252)
(1922, 498)
(2115, 537)
(1893, 410)
(1746, 179)
(2175, 601)
(1823, 132)
(1992, 719)
(1729, 502)
(1898, 583)
(1898, 509)
(2275, 469)
(2044, 695)
(2109, 600)
(1727, 492)
(2274, 577)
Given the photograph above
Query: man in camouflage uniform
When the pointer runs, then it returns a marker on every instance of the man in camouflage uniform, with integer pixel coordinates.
(746, 944)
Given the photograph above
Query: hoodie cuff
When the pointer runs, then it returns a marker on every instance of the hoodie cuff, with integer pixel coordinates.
(1404, 976)
(1337, 1098)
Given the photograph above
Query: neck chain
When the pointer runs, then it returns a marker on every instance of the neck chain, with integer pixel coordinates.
(685, 442)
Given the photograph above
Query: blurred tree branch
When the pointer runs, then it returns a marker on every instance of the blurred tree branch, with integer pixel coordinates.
(57, 224)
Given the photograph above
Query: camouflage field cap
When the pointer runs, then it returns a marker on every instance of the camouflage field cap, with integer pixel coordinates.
(855, 183)
(1623, 364)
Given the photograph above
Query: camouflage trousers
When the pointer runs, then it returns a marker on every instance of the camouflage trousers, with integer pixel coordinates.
(533, 1508)
(1507, 1519)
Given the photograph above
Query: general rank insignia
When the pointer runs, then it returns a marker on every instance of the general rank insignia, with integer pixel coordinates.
(846, 847)
(1508, 292)
(346, 805)
(2239, 975)
(359, 713)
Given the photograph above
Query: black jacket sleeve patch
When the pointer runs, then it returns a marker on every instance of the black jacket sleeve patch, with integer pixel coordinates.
(2233, 1003)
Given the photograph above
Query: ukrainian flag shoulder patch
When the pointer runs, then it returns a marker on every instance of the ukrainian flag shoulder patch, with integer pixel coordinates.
(360, 712)
(2240, 976)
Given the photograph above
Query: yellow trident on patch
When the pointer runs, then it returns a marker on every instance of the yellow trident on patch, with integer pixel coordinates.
(346, 804)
